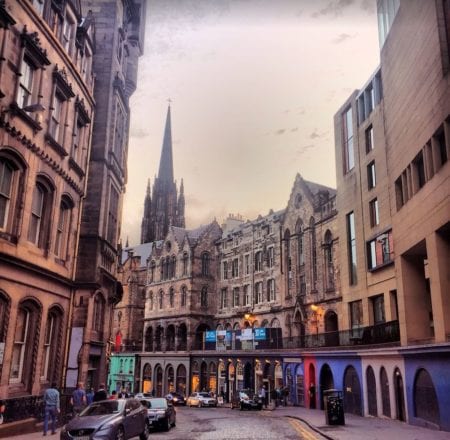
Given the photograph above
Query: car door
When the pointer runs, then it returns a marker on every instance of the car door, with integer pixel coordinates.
(137, 419)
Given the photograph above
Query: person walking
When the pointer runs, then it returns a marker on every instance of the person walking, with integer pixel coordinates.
(90, 396)
(100, 394)
(51, 402)
(78, 399)
(262, 396)
(2, 411)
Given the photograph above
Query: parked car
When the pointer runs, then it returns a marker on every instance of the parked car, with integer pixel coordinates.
(160, 413)
(108, 419)
(176, 398)
(246, 399)
(201, 399)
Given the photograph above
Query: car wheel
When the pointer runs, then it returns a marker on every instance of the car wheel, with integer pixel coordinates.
(145, 433)
(120, 435)
(167, 427)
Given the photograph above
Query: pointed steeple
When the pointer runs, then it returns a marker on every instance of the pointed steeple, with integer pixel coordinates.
(166, 164)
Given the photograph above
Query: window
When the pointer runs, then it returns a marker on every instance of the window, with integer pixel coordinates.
(351, 248)
(247, 264)
(246, 298)
(26, 83)
(204, 297)
(301, 252)
(439, 139)
(270, 257)
(258, 261)
(151, 301)
(55, 121)
(369, 139)
(120, 132)
(271, 290)
(4, 316)
(205, 264)
(380, 251)
(378, 309)
(40, 214)
(312, 226)
(225, 270)
(302, 285)
(374, 213)
(418, 172)
(185, 263)
(160, 299)
(20, 339)
(349, 155)
(236, 295)
(113, 209)
(99, 314)
(356, 314)
(224, 298)
(183, 296)
(371, 176)
(7, 178)
(152, 271)
(171, 297)
(63, 228)
(387, 9)
(399, 197)
(329, 265)
(68, 33)
(51, 346)
(235, 268)
(258, 292)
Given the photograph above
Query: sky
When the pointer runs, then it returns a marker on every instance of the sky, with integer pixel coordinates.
(254, 86)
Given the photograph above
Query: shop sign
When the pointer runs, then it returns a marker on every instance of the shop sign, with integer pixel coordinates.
(210, 336)
(260, 334)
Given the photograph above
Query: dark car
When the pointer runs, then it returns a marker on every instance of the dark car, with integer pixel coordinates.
(108, 419)
(176, 398)
(246, 399)
(160, 413)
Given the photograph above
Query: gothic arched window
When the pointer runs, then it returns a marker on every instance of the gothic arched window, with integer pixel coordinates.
(312, 226)
(204, 297)
(205, 264)
(161, 298)
(99, 312)
(185, 263)
(171, 297)
(328, 254)
(183, 296)
(50, 356)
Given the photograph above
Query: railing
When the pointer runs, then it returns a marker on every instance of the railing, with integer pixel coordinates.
(381, 334)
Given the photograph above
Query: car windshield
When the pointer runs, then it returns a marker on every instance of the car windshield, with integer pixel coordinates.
(155, 403)
(103, 408)
(204, 394)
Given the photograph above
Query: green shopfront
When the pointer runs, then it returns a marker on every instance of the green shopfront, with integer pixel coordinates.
(121, 375)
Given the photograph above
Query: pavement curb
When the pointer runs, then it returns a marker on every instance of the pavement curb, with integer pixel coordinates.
(314, 428)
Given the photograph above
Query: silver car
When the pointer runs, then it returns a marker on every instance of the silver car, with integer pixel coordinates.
(108, 420)
(201, 399)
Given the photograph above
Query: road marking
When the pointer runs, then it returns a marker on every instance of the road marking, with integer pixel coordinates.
(300, 429)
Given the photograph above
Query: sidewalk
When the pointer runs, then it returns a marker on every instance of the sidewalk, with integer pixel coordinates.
(359, 428)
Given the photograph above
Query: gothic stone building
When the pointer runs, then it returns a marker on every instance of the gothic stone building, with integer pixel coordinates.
(47, 105)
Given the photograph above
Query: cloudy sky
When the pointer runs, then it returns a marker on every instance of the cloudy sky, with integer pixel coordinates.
(254, 85)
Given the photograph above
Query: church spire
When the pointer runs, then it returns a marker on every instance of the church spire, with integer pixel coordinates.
(166, 164)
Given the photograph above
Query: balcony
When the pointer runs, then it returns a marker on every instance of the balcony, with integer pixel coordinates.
(386, 334)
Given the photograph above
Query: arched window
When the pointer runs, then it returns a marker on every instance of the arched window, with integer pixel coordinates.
(41, 215)
(161, 268)
(300, 244)
(271, 290)
(183, 296)
(171, 297)
(329, 266)
(174, 267)
(5, 305)
(11, 180)
(287, 252)
(151, 301)
(49, 367)
(26, 335)
(63, 227)
(160, 299)
(205, 264)
(204, 297)
(312, 227)
(148, 341)
(167, 268)
(99, 313)
(152, 271)
(185, 263)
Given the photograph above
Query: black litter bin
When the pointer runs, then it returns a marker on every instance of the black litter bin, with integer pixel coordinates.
(334, 407)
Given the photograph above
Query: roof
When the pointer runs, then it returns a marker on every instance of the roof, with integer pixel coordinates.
(143, 250)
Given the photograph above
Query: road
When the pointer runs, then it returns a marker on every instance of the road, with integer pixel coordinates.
(224, 424)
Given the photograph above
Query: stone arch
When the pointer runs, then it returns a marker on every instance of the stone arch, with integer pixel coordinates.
(169, 385)
(425, 402)
(148, 340)
(181, 379)
(158, 387)
(399, 396)
(326, 381)
(352, 391)
(331, 329)
(182, 337)
(170, 338)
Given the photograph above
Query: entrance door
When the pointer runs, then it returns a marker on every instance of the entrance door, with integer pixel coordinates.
(326, 382)
(371, 392)
(399, 399)
(352, 392)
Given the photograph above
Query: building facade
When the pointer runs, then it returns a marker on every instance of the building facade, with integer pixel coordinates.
(47, 105)
(119, 43)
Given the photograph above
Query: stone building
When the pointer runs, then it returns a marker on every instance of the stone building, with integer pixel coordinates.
(46, 109)
(120, 27)
(163, 207)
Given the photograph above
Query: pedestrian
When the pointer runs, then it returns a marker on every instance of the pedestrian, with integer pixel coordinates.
(51, 402)
(285, 394)
(2, 411)
(78, 399)
(100, 394)
(90, 396)
(262, 396)
(312, 396)
(113, 395)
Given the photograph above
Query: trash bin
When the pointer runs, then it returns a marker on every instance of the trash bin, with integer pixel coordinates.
(334, 407)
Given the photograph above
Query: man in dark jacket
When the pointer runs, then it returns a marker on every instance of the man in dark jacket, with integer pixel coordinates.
(101, 393)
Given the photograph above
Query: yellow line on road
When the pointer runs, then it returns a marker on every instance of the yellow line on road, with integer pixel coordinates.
(302, 431)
